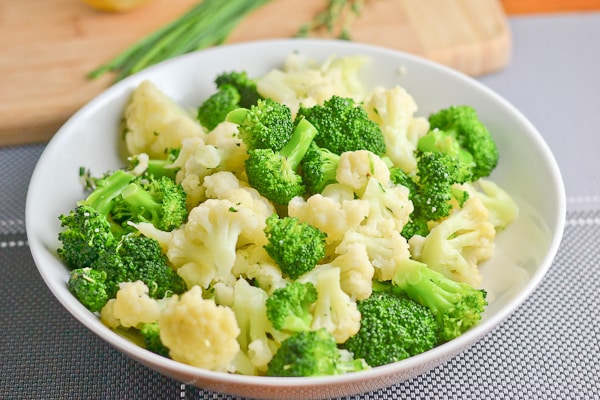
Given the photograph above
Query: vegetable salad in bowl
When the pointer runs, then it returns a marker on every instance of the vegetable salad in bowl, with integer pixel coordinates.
(292, 224)
(294, 219)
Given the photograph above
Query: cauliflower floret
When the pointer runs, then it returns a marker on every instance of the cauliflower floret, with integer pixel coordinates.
(393, 110)
(131, 307)
(356, 168)
(231, 149)
(191, 260)
(225, 185)
(384, 251)
(203, 250)
(305, 81)
(356, 271)
(199, 332)
(254, 263)
(194, 191)
(257, 335)
(193, 164)
(389, 207)
(457, 245)
(334, 211)
(334, 310)
(200, 157)
(107, 315)
(155, 123)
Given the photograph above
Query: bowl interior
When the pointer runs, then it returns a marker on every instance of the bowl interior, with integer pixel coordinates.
(527, 170)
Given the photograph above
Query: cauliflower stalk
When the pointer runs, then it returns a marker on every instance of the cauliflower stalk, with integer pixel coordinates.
(257, 339)
(334, 310)
(356, 271)
(199, 332)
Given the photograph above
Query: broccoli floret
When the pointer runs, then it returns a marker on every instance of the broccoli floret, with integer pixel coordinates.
(89, 287)
(318, 168)
(457, 306)
(431, 191)
(266, 125)
(288, 307)
(344, 125)
(245, 86)
(274, 173)
(463, 125)
(86, 235)
(137, 257)
(159, 201)
(392, 328)
(215, 108)
(438, 141)
(295, 246)
(150, 333)
(400, 177)
(311, 353)
(89, 229)
(436, 174)
(416, 224)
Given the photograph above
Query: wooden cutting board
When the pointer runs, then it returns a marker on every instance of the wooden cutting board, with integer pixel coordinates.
(48, 46)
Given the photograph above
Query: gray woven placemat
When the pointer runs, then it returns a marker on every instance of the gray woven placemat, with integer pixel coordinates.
(548, 349)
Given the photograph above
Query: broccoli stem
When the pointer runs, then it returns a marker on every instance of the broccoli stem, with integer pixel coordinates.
(158, 168)
(237, 116)
(134, 195)
(457, 306)
(421, 282)
(299, 143)
(106, 190)
(319, 168)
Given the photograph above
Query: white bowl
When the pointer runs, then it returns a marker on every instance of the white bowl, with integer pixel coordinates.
(526, 169)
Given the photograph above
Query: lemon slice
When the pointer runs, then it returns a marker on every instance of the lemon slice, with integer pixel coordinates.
(115, 5)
